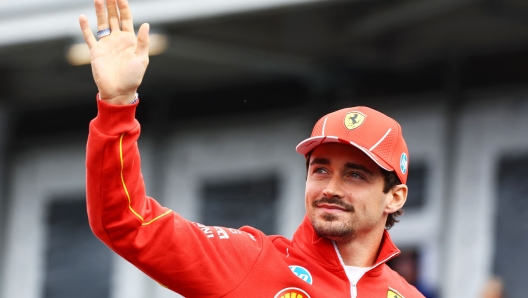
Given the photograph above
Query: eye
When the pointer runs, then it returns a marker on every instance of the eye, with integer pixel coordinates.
(320, 170)
(356, 175)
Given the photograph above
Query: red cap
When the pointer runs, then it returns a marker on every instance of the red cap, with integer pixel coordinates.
(374, 133)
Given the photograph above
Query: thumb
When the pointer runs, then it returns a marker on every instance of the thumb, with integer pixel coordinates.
(143, 41)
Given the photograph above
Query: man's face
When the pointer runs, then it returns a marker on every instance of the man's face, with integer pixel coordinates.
(344, 192)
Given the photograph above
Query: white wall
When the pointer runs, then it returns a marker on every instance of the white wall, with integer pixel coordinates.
(38, 176)
(492, 126)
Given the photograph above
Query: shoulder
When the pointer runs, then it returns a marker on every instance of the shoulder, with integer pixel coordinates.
(258, 234)
(279, 239)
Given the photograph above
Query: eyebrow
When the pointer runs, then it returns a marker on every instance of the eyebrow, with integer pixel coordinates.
(356, 166)
(348, 165)
(320, 161)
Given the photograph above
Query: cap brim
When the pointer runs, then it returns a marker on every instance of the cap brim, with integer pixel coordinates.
(309, 144)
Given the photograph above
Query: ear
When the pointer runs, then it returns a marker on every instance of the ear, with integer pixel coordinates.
(396, 198)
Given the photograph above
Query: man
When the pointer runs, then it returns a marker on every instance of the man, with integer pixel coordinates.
(356, 167)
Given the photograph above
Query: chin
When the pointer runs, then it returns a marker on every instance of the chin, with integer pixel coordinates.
(332, 227)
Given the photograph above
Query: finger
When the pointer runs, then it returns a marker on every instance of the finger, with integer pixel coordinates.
(143, 42)
(100, 11)
(126, 16)
(87, 31)
(113, 17)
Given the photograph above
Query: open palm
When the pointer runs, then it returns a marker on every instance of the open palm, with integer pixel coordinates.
(119, 60)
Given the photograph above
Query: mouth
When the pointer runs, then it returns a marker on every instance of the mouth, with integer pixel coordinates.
(331, 208)
(332, 205)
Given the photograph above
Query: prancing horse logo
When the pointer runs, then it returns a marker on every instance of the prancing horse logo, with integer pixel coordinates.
(354, 120)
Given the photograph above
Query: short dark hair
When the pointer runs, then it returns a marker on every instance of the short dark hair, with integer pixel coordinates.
(390, 180)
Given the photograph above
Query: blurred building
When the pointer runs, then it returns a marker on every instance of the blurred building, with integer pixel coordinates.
(233, 87)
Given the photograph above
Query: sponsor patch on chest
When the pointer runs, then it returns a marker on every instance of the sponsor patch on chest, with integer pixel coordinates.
(292, 293)
(302, 273)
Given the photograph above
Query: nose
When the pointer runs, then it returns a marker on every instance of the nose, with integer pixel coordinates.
(334, 188)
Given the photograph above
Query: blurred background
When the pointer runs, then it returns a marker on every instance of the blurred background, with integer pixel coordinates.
(232, 87)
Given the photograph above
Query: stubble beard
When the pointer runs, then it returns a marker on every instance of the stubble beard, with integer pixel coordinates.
(331, 226)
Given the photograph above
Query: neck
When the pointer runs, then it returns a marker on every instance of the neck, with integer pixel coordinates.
(362, 251)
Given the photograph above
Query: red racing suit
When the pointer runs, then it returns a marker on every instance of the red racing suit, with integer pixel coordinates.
(199, 261)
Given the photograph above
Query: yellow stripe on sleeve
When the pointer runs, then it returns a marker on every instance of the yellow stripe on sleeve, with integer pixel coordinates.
(157, 217)
(123, 179)
(126, 190)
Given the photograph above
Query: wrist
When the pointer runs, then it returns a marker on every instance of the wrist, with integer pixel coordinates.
(120, 100)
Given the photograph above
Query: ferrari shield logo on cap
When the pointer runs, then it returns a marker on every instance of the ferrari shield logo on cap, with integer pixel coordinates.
(392, 293)
(354, 120)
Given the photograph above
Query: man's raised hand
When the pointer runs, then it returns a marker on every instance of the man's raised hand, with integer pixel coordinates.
(119, 60)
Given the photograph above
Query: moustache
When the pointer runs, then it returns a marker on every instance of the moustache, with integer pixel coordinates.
(333, 201)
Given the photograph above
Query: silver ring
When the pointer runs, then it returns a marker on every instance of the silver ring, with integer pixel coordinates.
(103, 33)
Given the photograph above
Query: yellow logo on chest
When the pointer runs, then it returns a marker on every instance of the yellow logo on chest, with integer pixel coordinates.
(392, 293)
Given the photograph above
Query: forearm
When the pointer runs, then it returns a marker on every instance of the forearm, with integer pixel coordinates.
(117, 203)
